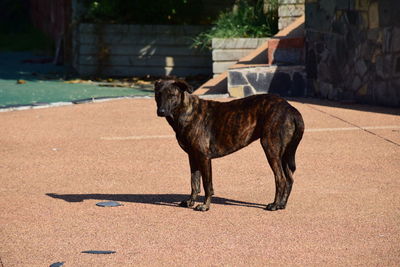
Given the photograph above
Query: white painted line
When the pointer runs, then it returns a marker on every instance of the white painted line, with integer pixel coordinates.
(59, 104)
(352, 128)
(143, 137)
(137, 137)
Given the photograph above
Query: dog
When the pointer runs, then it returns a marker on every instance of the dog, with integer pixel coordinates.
(207, 129)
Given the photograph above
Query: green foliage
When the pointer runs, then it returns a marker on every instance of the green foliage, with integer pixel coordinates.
(16, 30)
(143, 11)
(14, 16)
(30, 39)
(101, 10)
(247, 20)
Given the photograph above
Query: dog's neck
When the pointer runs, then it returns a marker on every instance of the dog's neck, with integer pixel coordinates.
(185, 113)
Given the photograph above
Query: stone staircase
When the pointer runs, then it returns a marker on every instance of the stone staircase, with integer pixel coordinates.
(282, 72)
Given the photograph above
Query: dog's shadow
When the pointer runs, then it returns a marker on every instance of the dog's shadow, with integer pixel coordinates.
(155, 199)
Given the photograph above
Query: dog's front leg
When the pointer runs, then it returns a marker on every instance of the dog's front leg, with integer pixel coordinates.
(195, 183)
(206, 174)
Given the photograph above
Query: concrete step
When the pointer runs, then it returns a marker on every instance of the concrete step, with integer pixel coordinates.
(257, 61)
(283, 75)
(258, 79)
(216, 85)
(286, 51)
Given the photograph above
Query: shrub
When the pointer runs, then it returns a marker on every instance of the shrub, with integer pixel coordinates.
(245, 21)
(143, 11)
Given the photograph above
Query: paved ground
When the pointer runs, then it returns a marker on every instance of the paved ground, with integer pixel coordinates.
(57, 163)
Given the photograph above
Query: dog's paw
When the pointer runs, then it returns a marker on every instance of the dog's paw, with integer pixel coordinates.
(202, 207)
(273, 206)
(187, 203)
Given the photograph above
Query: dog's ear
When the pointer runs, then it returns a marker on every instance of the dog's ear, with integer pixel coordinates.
(158, 84)
(183, 86)
(185, 98)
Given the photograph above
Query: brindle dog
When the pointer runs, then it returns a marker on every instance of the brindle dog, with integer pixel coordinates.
(208, 129)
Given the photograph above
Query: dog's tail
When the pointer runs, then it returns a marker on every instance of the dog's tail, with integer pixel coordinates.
(290, 151)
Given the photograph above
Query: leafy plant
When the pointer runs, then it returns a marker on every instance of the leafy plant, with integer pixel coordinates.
(102, 10)
(14, 17)
(245, 21)
(143, 11)
(17, 33)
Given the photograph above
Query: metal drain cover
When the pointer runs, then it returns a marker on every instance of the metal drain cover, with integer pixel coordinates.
(99, 251)
(57, 264)
(109, 204)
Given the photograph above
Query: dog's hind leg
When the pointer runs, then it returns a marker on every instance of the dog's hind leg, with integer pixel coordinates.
(289, 182)
(289, 167)
(194, 181)
(272, 148)
(206, 174)
(288, 159)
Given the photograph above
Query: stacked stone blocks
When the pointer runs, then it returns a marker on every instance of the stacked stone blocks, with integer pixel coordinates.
(227, 52)
(289, 11)
(138, 50)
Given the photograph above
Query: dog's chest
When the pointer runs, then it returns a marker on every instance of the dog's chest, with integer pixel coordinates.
(183, 144)
(193, 140)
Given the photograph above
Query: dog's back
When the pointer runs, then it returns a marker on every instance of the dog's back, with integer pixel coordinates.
(233, 125)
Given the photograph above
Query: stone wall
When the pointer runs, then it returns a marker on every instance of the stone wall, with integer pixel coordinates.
(353, 50)
(138, 50)
(274, 79)
(289, 11)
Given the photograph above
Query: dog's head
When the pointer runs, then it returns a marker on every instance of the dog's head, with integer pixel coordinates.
(170, 95)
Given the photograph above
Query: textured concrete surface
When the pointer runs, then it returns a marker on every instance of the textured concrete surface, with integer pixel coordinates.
(57, 163)
(28, 79)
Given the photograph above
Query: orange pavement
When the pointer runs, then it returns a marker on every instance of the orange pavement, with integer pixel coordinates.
(57, 163)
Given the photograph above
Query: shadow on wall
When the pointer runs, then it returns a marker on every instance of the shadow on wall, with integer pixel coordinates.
(155, 199)
(139, 50)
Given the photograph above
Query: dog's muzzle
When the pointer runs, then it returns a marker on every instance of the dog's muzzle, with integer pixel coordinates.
(161, 112)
